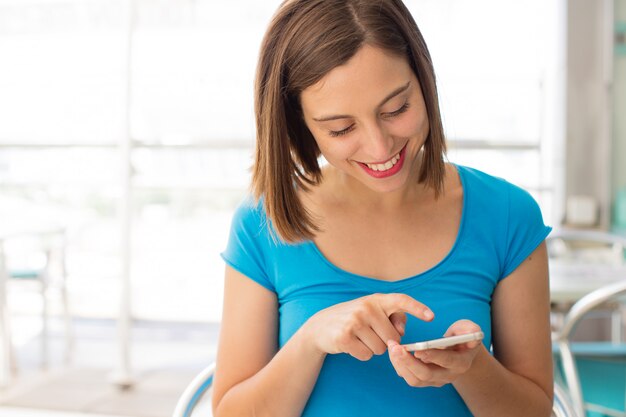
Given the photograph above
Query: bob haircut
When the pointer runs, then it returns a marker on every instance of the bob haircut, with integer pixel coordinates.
(305, 40)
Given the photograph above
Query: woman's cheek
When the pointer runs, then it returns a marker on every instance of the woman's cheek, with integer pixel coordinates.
(409, 126)
(337, 149)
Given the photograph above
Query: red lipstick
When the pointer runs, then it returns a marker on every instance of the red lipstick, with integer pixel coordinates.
(387, 173)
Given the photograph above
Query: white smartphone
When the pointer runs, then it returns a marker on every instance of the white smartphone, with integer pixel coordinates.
(444, 342)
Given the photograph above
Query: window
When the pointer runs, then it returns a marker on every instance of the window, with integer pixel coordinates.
(64, 110)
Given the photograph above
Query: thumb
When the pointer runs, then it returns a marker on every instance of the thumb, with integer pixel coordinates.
(464, 327)
(398, 320)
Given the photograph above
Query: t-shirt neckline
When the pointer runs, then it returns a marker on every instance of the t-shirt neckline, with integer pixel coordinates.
(420, 277)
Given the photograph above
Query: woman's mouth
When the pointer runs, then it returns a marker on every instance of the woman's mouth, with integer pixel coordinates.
(387, 168)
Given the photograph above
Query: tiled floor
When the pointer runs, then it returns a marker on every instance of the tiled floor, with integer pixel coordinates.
(29, 412)
(165, 357)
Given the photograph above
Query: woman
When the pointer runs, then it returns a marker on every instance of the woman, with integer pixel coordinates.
(330, 269)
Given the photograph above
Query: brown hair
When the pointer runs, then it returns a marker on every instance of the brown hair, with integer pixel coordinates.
(305, 40)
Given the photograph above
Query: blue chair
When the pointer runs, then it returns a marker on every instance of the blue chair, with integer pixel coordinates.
(201, 384)
(594, 373)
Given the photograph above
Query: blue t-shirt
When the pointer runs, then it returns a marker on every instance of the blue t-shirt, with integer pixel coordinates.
(501, 225)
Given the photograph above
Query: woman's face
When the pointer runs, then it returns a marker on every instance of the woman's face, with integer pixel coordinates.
(369, 119)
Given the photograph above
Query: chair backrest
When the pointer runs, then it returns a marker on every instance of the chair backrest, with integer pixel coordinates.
(35, 251)
(587, 245)
(194, 392)
(202, 382)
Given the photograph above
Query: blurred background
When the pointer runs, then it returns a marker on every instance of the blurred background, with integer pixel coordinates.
(126, 136)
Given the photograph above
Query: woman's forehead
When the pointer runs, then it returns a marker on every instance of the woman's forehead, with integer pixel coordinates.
(368, 76)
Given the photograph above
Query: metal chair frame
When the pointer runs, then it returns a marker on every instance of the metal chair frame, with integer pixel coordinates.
(562, 338)
(52, 245)
(609, 293)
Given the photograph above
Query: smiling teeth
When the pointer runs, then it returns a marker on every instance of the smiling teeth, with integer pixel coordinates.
(385, 166)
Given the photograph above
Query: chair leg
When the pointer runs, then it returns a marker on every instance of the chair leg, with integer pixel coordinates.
(7, 357)
(67, 319)
(69, 337)
(616, 325)
(44, 324)
(8, 367)
(571, 378)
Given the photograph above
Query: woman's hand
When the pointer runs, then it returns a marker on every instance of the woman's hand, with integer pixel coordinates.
(365, 326)
(436, 367)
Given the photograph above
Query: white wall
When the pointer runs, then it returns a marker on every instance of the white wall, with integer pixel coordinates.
(589, 115)
(619, 112)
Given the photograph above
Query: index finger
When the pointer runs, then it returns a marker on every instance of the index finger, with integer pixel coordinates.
(396, 302)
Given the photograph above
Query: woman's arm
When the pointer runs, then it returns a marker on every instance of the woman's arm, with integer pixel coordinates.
(519, 382)
(252, 377)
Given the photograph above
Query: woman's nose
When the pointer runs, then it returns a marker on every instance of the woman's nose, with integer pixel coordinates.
(377, 144)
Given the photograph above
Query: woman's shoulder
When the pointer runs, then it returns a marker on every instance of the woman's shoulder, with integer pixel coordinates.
(250, 219)
(249, 205)
(487, 184)
(475, 176)
(497, 195)
(250, 215)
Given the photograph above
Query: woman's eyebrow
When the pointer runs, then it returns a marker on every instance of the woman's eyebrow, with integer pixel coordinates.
(386, 99)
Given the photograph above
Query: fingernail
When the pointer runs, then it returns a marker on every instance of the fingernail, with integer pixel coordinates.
(428, 314)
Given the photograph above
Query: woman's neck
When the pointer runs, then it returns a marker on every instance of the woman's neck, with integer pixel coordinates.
(345, 189)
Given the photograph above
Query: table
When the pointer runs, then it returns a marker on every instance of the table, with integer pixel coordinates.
(570, 281)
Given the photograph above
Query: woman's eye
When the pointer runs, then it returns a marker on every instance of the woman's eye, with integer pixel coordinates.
(401, 110)
(335, 133)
